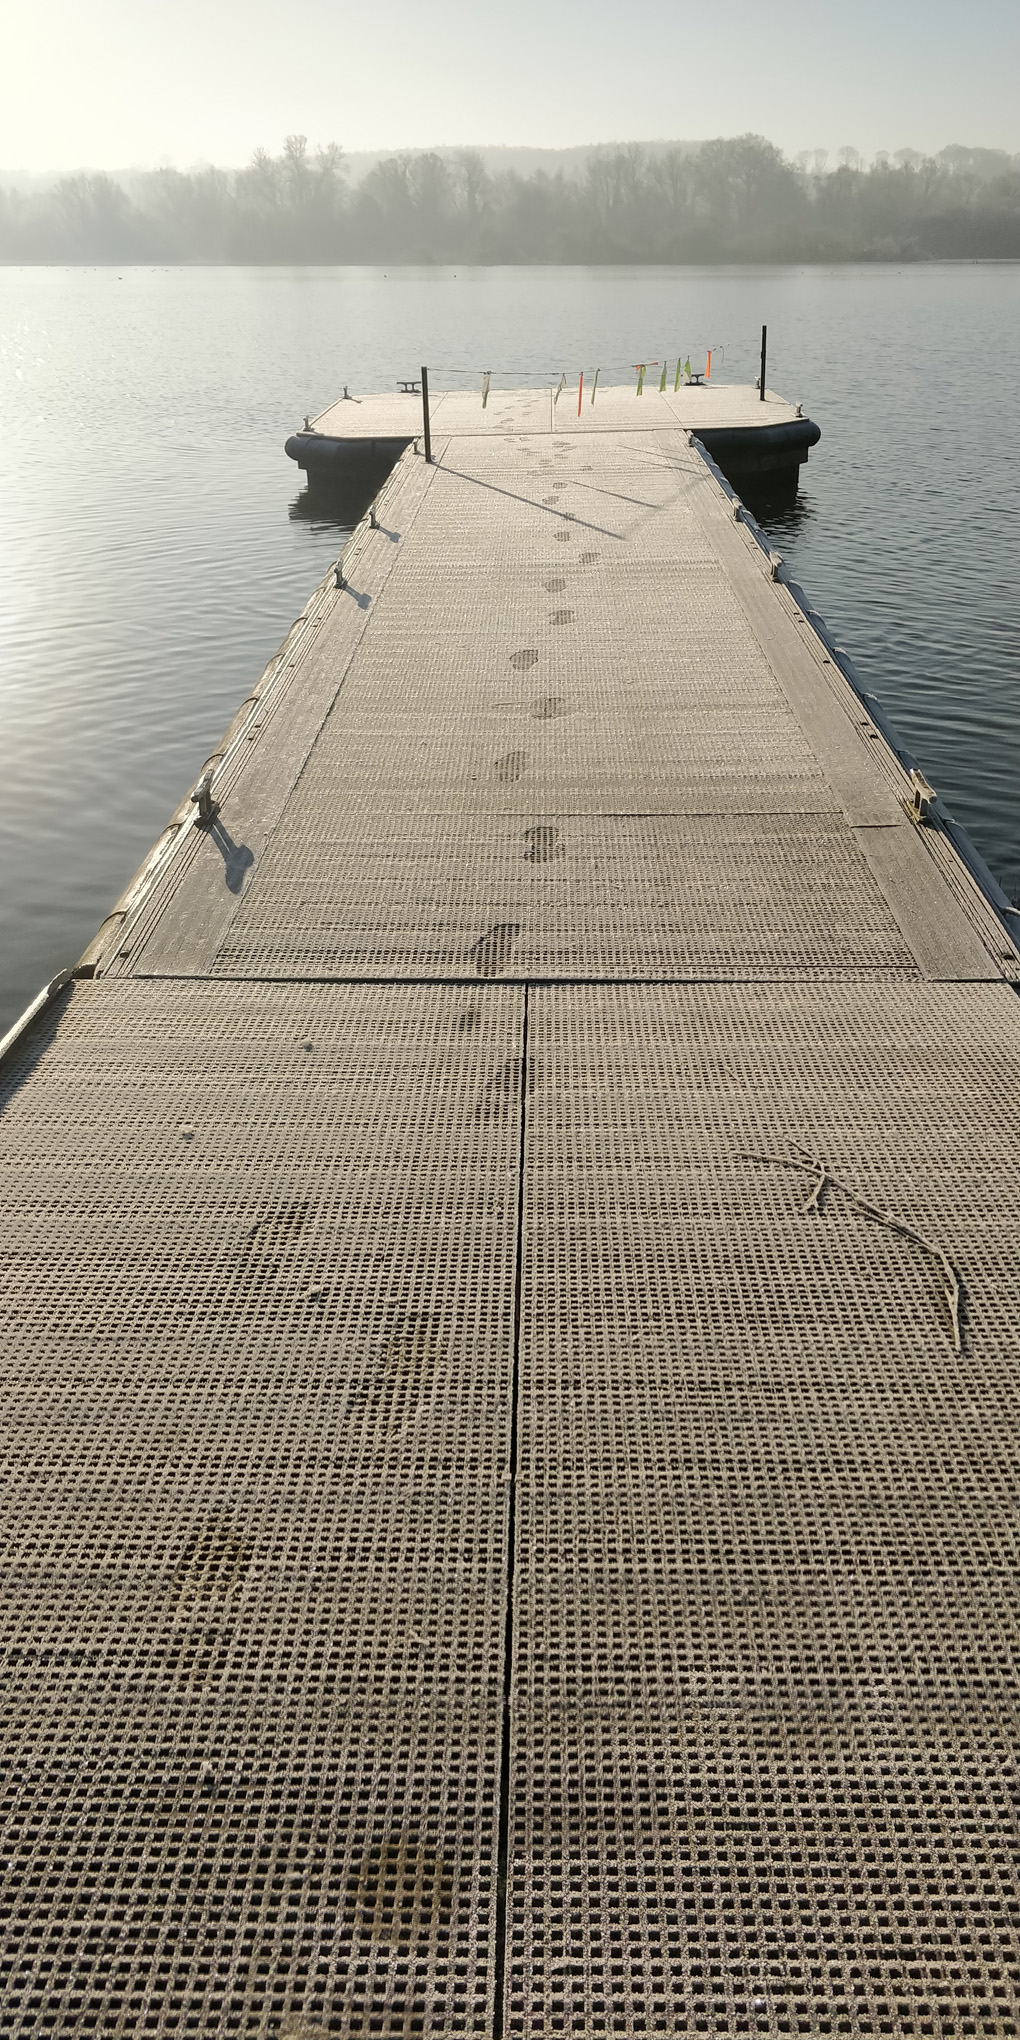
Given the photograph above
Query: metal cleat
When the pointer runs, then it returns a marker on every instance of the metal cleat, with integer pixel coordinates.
(920, 806)
(202, 795)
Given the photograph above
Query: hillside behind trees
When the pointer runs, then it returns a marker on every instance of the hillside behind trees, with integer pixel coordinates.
(728, 200)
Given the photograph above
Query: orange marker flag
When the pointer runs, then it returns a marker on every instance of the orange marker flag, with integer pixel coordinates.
(708, 365)
(580, 387)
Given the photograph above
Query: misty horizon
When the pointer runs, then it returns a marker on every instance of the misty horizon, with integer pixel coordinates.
(736, 199)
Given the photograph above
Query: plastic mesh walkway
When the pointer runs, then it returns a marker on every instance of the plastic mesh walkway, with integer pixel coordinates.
(509, 1334)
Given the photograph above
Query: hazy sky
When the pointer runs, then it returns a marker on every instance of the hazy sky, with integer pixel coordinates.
(110, 83)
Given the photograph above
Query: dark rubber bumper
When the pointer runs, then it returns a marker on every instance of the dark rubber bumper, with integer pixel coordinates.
(791, 441)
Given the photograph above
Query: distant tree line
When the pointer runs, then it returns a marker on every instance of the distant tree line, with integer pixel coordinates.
(728, 201)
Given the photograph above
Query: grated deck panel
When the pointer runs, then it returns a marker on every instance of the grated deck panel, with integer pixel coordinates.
(765, 1661)
(259, 1277)
(567, 895)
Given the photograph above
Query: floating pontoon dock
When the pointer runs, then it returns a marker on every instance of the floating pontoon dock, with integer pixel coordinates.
(761, 444)
(512, 1292)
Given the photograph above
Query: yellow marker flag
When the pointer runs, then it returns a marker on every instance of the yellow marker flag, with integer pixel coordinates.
(662, 380)
(640, 366)
(676, 384)
(486, 379)
(595, 384)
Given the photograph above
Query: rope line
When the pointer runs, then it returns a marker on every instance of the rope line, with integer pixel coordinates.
(825, 1180)
(551, 375)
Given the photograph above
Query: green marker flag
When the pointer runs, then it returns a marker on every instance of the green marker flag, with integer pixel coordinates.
(595, 385)
(687, 368)
(640, 378)
(486, 379)
(662, 380)
(560, 387)
(676, 385)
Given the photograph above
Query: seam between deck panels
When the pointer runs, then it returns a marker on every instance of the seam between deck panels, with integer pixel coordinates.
(861, 974)
(503, 1832)
(792, 979)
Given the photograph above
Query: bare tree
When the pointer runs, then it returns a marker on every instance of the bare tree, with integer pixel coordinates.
(672, 176)
(471, 182)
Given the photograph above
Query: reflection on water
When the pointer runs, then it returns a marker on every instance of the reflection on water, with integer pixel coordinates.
(329, 510)
(343, 497)
(153, 550)
(784, 522)
(320, 515)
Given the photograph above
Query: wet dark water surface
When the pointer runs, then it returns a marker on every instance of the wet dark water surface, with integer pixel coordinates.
(156, 543)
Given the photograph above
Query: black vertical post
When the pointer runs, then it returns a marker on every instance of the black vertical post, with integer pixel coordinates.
(425, 414)
(761, 385)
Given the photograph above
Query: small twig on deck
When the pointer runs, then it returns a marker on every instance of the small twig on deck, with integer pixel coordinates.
(814, 1202)
(824, 1179)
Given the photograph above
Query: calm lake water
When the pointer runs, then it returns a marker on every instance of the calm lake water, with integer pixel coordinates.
(155, 543)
